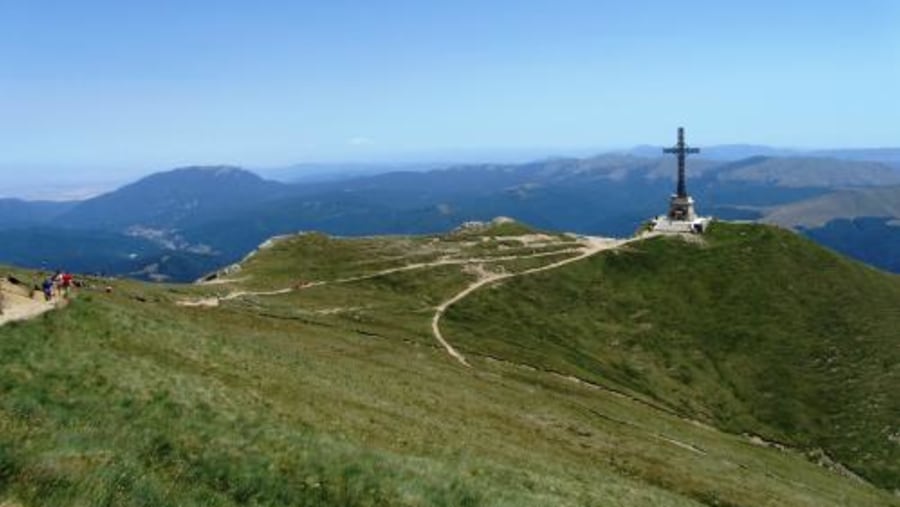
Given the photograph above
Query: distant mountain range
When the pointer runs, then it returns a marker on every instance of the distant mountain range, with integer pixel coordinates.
(849, 204)
(175, 199)
(176, 225)
(21, 213)
(732, 152)
(326, 172)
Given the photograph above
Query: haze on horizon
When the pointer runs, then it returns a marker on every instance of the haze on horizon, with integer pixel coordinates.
(100, 90)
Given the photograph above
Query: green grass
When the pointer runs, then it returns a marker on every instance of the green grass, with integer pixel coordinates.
(129, 399)
(314, 256)
(494, 229)
(757, 330)
(116, 403)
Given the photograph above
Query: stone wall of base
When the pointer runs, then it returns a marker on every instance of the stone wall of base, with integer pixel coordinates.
(665, 224)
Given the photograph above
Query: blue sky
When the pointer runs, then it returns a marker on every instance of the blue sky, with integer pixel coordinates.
(89, 89)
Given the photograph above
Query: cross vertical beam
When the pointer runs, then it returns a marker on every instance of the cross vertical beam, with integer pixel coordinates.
(681, 150)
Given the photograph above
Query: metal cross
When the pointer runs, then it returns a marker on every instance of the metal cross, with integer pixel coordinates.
(681, 150)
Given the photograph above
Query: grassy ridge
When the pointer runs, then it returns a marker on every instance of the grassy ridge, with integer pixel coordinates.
(118, 403)
(315, 256)
(756, 330)
(338, 395)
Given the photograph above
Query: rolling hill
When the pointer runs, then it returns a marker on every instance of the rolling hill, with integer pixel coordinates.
(174, 199)
(859, 222)
(805, 172)
(653, 372)
(844, 204)
(755, 328)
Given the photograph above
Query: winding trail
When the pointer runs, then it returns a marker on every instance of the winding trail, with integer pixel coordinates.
(215, 300)
(17, 306)
(594, 246)
(590, 246)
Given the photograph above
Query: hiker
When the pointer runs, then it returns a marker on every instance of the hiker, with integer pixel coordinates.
(66, 284)
(57, 282)
(48, 289)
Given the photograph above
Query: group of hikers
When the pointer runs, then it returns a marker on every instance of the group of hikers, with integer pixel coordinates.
(58, 285)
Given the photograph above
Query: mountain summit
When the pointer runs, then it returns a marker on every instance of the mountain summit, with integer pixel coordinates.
(175, 199)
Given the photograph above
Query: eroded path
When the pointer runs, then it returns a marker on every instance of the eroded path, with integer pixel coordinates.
(592, 247)
(16, 306)
(215, 300)
(589, 246)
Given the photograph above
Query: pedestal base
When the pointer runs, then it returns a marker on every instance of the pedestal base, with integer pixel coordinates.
(682, 208)
(666, 225)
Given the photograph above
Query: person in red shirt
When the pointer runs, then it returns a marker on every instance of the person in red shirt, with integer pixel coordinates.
(66, 284)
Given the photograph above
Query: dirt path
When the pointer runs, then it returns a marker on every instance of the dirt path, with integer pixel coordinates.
(594, 246)
(216, 300)
(18, 307)
(591, 246)
(448, 262)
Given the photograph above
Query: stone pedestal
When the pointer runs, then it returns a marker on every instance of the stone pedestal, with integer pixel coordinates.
(681, 218)
(682, 209)
(666, 225)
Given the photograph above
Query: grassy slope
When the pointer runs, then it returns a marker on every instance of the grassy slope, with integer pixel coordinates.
(337, 395)
(757, 330)
(847, 204)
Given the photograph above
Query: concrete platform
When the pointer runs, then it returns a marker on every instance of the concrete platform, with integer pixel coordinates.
(666, 225)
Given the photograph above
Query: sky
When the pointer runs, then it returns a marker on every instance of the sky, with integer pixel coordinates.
(93, 91)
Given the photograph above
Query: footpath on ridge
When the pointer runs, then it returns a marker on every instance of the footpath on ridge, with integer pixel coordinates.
(16, 305)
(589, 246)
(593, 245)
